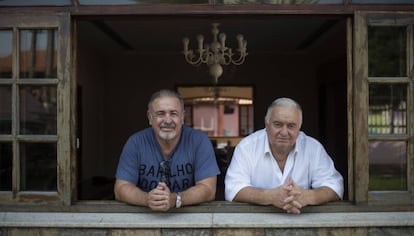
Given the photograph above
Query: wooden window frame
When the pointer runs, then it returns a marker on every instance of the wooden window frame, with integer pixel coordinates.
(357, 49)
(361, 106)
(60, 22)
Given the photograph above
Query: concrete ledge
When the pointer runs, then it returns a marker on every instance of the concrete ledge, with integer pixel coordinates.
(206, 220)
(313, 220)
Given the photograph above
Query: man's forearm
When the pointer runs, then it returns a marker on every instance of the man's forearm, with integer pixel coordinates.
(203, 191)
(320, 195)
(130, 194)
(253, 195)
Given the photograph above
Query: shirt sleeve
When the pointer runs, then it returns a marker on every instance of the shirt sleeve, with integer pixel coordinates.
(128, 162)
(206, 163)
(238, 173)
(324, 173)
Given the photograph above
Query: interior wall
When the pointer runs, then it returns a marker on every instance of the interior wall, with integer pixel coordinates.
(131, 79)
(333, 123)
(91, 75)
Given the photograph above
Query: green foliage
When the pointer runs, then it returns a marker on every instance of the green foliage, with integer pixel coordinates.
(387, 177)
(386, 183)
(387, 51)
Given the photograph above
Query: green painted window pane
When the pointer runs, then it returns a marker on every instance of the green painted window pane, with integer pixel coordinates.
(38, 110)
(387, 51)
(38, 167)
(387, 109)
(6, 37)
(38, 53)
(6, 158)
(387, 165)
(130, 2)
(5, 110)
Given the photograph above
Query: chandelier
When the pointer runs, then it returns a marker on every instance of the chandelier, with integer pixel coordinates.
(216, 53)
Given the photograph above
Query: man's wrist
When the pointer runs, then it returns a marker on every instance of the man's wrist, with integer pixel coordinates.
(146, 199)
(307, 197)
(178, 200)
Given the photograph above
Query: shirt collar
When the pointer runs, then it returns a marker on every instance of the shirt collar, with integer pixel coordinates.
(267, 152)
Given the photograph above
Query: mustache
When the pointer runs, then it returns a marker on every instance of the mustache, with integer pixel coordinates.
(164, 125)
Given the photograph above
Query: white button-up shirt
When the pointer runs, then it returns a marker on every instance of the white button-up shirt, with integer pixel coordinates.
(308, 164)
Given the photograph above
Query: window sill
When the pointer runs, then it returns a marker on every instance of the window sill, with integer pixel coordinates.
(204, 220)
(111, 206)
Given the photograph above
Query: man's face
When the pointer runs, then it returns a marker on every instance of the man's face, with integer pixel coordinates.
(283, 128)
(166, 118)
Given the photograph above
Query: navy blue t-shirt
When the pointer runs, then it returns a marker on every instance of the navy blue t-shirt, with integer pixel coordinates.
(192, 160)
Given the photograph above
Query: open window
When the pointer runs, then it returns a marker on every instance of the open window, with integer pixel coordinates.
(117, 75)
(107, 101)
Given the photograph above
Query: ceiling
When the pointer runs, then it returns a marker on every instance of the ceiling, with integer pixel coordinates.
(163, 35)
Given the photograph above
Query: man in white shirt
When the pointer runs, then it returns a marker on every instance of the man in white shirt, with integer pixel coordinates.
(282, 166)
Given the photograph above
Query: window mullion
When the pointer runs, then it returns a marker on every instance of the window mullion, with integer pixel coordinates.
(65, 144)
(410, 110)
(361, 106)
(15, 114)
(16, 160)
(350, 115)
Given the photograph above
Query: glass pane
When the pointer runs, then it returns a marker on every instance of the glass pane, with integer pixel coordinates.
(205, 117)
(6, 157)
(38, 110)
(188, 115)
(38, 169)
(246, 120)
(278, 1)
(38, 53)
(387, 165)
(387, 51)
(6, 37)
(127, 2)
(387, 109)
(5, 110)
(35, 2)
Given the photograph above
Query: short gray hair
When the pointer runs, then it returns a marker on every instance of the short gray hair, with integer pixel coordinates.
(283, 102)
(166, 93)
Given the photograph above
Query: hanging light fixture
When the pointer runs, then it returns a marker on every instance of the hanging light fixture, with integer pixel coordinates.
(215, 54)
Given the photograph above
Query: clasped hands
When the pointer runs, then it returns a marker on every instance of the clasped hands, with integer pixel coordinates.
(292, 197)
(160, 198)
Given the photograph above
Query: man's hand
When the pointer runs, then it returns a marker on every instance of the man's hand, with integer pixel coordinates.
(299, 197)
(160, 198)
(278, 195)
(282, 197)
(295, 199)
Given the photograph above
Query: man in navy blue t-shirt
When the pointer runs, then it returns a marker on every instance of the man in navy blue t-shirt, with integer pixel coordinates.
(169, 164)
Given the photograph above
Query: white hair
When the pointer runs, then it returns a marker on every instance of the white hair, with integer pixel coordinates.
(283, 102)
